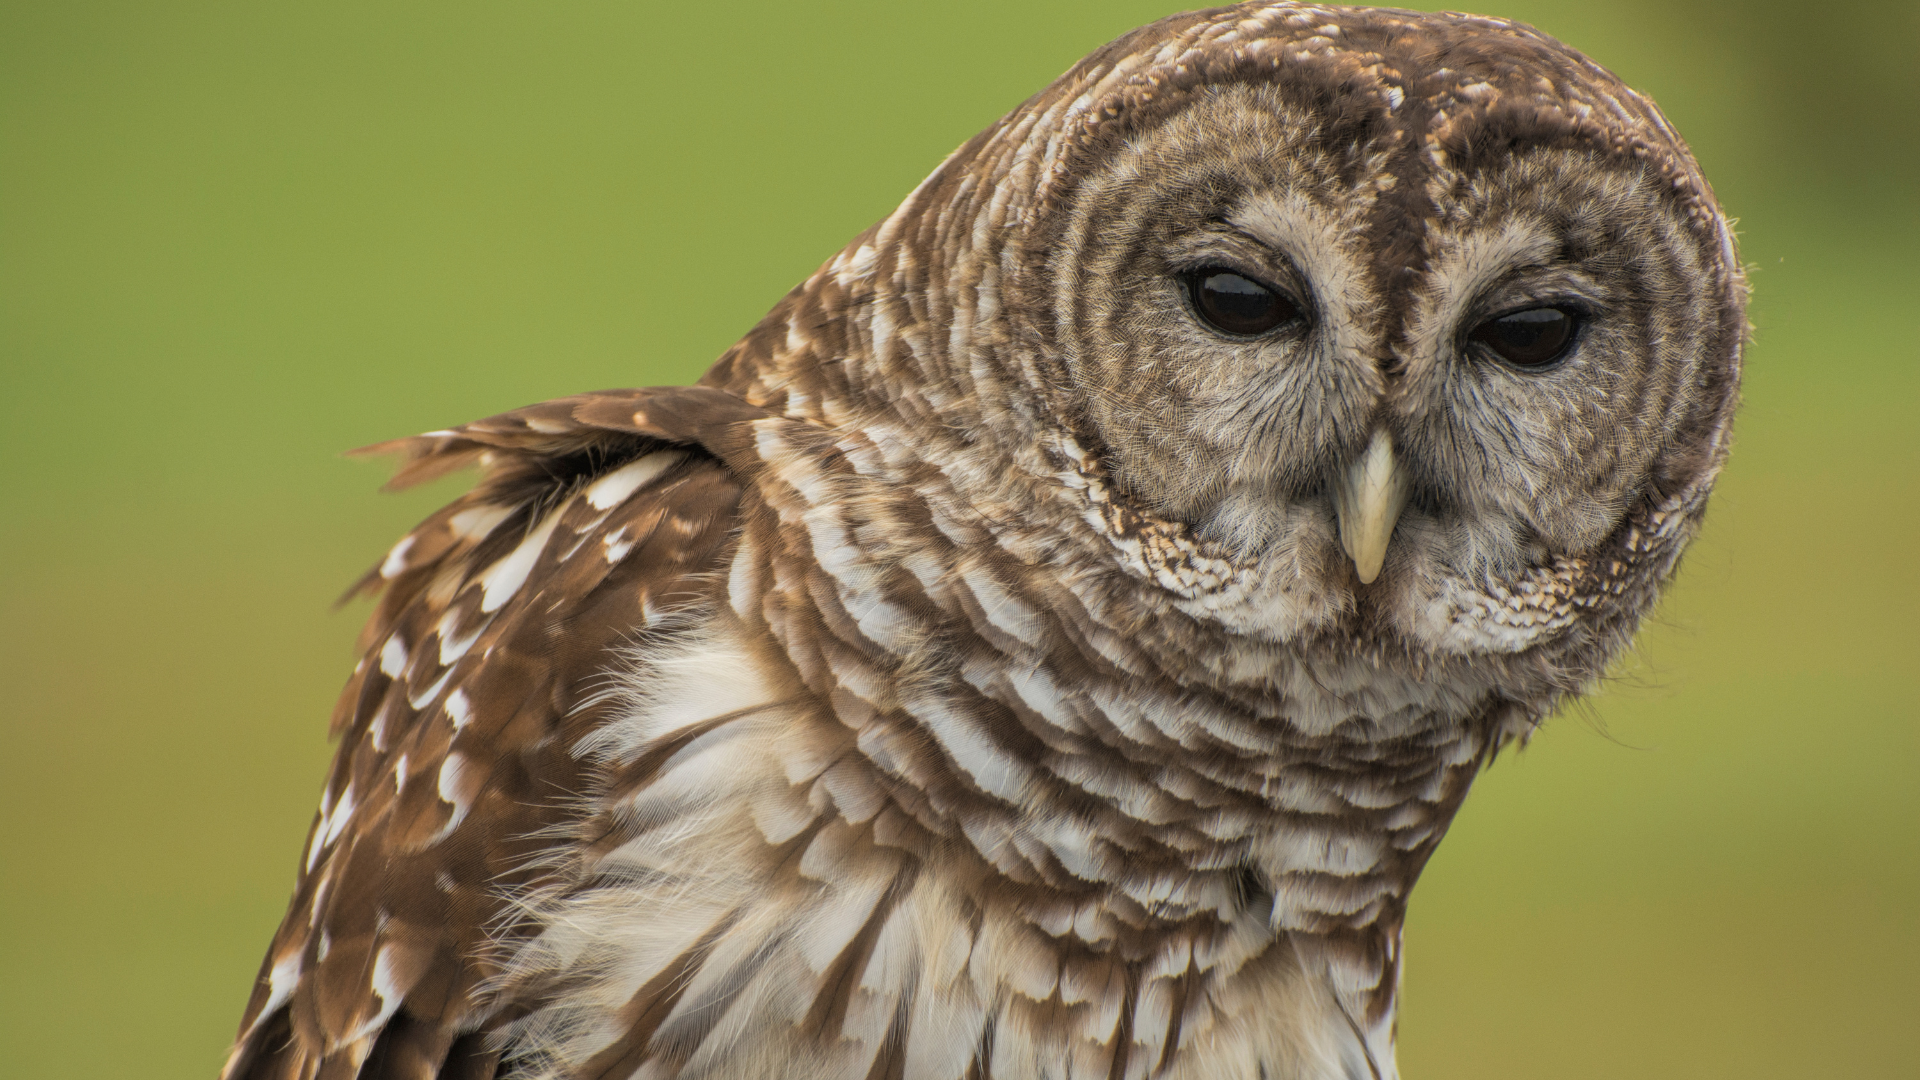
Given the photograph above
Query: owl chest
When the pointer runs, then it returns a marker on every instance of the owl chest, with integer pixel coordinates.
(762, 909)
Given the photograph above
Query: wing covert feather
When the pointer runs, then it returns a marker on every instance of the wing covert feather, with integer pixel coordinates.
(497, 619)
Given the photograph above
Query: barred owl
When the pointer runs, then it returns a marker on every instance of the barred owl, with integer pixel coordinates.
(1052, 641)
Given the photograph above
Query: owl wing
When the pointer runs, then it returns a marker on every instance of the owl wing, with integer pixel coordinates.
(454, 789)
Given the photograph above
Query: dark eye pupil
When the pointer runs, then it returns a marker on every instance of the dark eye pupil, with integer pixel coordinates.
(1528, 338)
(1235, 304)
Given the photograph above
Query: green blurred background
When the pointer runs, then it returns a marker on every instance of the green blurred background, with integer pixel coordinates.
(239, 238)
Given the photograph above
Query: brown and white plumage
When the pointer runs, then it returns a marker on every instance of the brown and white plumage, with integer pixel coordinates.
(969, 678)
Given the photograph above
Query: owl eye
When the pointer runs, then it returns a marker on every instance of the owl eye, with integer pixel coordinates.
(1532, 338)
(1236, 304)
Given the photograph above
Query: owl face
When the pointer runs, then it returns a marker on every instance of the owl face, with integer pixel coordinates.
(1394, 371)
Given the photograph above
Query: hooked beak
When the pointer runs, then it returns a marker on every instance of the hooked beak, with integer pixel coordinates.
(1368, 499)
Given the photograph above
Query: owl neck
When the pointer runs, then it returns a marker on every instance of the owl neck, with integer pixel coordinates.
(1124, 777)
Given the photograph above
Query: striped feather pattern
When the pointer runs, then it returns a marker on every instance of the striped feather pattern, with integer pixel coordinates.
(873, 709)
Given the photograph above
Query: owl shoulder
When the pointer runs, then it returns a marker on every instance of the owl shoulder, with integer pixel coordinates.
(456, 783)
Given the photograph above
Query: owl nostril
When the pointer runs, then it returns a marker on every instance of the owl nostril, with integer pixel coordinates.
(1386, 362)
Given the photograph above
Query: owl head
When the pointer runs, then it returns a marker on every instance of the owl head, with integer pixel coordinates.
(1424, 321)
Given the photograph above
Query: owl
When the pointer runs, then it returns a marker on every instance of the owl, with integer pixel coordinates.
(1050, 643)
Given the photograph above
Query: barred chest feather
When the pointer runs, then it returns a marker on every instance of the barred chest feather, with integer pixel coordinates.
(816, 857)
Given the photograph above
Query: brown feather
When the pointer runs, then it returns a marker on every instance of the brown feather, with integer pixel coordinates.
(966, 677)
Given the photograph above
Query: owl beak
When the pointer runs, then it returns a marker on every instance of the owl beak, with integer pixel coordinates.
(1368, 500)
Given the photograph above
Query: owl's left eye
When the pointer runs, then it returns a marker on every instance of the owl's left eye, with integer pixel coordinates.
(1532, 338)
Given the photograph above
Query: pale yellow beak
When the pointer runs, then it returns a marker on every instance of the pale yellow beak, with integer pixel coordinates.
(1368, 500)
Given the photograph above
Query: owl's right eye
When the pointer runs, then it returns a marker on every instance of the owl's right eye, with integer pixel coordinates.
(1235, 304)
